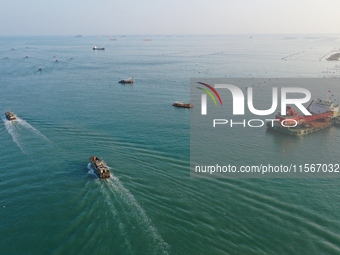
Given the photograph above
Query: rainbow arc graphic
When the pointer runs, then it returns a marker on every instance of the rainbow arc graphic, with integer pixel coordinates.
(211, 94)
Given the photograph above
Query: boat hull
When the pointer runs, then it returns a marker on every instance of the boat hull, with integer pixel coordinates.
(100, 167)
(10, 116)
(299, 130)
(126, 82)
(182, 105)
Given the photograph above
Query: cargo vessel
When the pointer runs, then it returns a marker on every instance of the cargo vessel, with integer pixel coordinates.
(10, 116)
(183, 105)
(100, 167)
(325, 113)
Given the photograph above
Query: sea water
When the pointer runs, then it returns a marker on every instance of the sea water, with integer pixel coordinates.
(51, 202)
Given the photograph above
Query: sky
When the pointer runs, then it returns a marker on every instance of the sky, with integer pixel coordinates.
(152, 17)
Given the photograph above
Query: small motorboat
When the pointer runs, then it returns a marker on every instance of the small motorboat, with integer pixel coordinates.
(100, 167)
(97, 48)
(10, 116)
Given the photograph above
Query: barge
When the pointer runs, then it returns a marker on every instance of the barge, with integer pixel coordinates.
(324, 114)
(100, 167)
(10, 116)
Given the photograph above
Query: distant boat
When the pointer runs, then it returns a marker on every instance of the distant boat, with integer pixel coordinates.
(183, 105)
(97, 48)
(10, 116)
(147, 39)
(129, 80)
(79, 36)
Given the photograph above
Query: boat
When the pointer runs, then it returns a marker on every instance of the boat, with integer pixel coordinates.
(97, 48)
(336, 121)
(129, 80)
(183, 104)
(334, 57)
(10, 116)
(100, 167)
(324, 114)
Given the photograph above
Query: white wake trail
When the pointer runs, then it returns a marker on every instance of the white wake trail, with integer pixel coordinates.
(112, 208)
(115, 186)
(20, 130)
(121, 225)
(31, 128)
(11, 130)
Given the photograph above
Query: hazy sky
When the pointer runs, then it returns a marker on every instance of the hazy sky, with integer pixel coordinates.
(108, 17)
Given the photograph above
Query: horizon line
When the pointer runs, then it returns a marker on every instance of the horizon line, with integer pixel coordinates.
(180, 34)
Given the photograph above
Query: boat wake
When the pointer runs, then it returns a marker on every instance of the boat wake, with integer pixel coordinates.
(122, 226)
(91, 171)
(31, 128)
(132, 215)
(18, 128)
(11, 130)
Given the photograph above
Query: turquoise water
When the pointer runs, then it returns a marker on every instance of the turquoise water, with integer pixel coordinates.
(52, 203)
